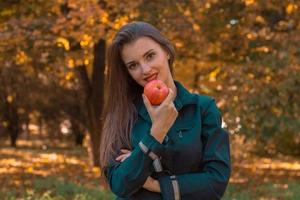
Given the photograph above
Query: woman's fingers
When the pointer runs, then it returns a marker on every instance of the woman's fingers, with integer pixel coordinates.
(122, 157)
(171, 97)
(119, 158)
(147, 102)
(125, 151)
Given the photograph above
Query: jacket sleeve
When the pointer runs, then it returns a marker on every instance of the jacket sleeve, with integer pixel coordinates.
(211, 181)
(127, 177)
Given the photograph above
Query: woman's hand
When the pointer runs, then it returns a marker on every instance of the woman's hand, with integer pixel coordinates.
(152, 185)
(162, 116)
(125, 154)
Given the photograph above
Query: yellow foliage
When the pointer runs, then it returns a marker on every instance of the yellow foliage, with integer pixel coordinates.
(7, 12)
(178, 44)
(78, 62)
(251, 36)
(249, 2)
(268, 79)
(251, 76)
(86, 61)
(21, 58)
(96, 170)
(5, 124)
(121, 21)
(207, 5)
(29, 170)
(91, 21)
(17, 182)
(214, 74)
(262, 49)
(133, 14)
(63, 42)
(187, 12)
(104, 18)
(9, 98)
(69, 76)
(235, 98)
(71, 63)
(86, 41)
(260, 19)
(290, 8)
(196, 27)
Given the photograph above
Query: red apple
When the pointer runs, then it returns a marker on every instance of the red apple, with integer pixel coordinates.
(156, 91)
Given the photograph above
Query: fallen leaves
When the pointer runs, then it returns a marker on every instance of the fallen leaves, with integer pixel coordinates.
(20, 167)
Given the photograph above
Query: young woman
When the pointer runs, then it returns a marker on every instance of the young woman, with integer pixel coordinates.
(177, 150)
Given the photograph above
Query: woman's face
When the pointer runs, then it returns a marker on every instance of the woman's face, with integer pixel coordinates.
(146, 60)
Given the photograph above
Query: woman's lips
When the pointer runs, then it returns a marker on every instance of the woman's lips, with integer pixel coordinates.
(152, 77)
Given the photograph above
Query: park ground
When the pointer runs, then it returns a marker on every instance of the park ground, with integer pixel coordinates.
(45, 169)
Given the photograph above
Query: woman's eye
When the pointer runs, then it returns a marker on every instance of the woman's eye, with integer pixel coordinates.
(132, 66)
(150, 56)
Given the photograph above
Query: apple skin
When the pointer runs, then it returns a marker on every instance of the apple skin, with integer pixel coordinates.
(156, 91)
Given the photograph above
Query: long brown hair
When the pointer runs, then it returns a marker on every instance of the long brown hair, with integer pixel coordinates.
(120, 114)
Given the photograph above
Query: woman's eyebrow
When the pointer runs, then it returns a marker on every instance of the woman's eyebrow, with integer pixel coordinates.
(145, 54)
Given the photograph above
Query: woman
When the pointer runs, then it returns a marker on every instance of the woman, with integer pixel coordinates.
(176, 150)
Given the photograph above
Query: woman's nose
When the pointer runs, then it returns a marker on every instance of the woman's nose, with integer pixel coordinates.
(146, 68)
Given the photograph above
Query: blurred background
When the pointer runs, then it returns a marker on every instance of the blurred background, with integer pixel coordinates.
(244, 53)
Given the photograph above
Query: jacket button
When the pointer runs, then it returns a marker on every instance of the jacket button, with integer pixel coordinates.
(180, 134)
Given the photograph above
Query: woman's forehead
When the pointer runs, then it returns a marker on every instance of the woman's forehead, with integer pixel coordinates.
(138, 48)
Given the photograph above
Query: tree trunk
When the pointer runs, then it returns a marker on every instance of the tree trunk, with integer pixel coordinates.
(27, 122)
(13, 124)
(94, 90)
(10, 110)
(40, 127)
(96, 100)
(77, 133)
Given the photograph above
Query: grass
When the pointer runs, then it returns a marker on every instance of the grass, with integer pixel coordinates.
(287, 191)
(52, 188)
(55, 172)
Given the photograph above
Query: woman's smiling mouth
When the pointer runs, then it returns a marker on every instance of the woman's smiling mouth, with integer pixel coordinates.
(152, 77)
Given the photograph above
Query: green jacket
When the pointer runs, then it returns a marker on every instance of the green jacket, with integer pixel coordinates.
(193, 162)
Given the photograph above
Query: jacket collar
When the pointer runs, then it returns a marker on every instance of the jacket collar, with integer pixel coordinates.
(183, 98)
